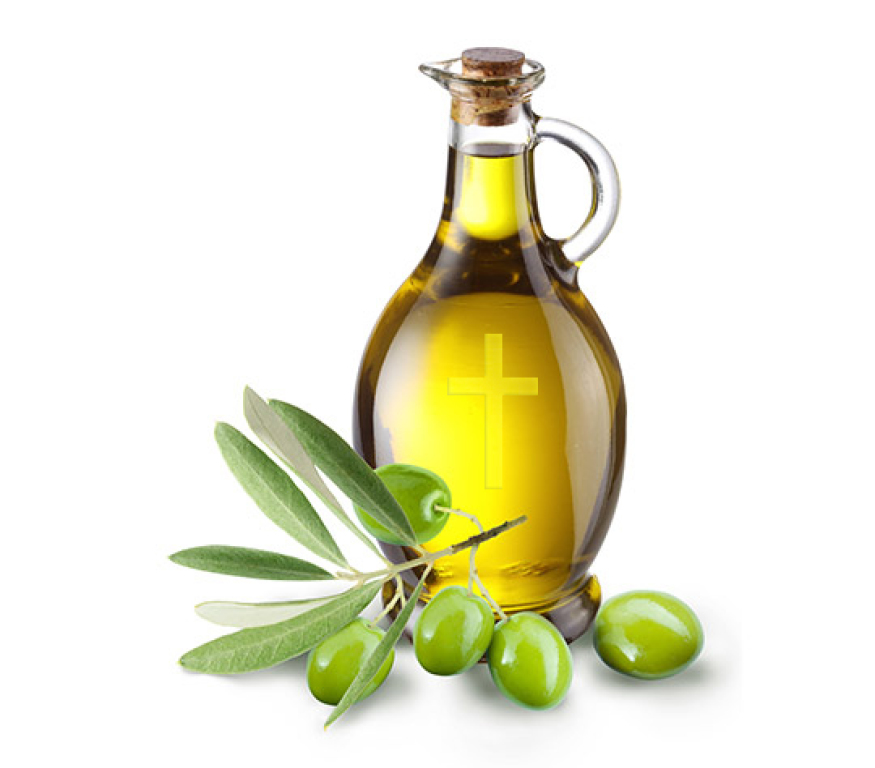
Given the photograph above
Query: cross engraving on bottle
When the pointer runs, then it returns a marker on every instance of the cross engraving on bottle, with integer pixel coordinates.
(493, 386)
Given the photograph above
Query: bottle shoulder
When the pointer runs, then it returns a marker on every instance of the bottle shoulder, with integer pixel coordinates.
(507, 273)
(490, 287)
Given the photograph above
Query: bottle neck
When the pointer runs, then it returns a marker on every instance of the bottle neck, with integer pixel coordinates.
(489, 193)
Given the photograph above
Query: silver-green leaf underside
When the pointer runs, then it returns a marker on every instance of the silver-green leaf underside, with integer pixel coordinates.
(261, 647)
(378, 656)
(346, 469)
(250, 563)
(229, 614)
(276, 493)
(267, 425)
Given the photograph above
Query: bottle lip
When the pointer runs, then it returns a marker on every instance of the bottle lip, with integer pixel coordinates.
(449, 72)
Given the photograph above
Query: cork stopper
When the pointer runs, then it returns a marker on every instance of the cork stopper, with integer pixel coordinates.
(489, 104)
(492, 62)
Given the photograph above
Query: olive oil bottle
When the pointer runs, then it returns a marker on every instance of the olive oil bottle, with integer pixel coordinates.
(491, 368)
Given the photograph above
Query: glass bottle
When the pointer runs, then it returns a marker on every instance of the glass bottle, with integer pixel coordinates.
(490, 367)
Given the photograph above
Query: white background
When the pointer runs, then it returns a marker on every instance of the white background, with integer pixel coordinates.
(196, 196)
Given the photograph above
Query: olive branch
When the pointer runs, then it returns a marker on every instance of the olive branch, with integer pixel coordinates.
(271, 633)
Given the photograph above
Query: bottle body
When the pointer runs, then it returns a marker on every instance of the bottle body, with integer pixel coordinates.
(490, 368)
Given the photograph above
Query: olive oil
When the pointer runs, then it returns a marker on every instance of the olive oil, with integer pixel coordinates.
(546, 437)
(490, 368)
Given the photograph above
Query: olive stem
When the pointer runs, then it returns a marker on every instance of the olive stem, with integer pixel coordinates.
(473, 541)
(429, 559)
(489, 599)
(473, 575)
(472, 565)
(472, 570)
(389, 606)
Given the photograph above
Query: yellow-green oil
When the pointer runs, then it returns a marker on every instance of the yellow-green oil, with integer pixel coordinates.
(490, 368)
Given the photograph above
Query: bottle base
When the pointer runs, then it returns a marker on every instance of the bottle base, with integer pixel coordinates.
(575, 614)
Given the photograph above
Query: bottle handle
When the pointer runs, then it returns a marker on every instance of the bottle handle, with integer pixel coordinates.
(605, 186)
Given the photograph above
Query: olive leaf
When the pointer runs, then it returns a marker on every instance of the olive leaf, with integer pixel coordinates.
(346, 469)
(276, 493)
(252, 563)
(228, 614)
(260, 647)
(378, 656)
(276, 435)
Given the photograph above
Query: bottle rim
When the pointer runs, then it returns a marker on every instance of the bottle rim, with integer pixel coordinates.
(449, 72)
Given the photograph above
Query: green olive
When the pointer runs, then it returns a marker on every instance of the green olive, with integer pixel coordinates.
(530, 661)
(453, 631)
(418, 491)
(334, 663)
(649, 635)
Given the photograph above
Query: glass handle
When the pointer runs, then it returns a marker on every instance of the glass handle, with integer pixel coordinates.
(605, 186)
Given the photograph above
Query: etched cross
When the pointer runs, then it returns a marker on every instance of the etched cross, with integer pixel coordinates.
(493, 386)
